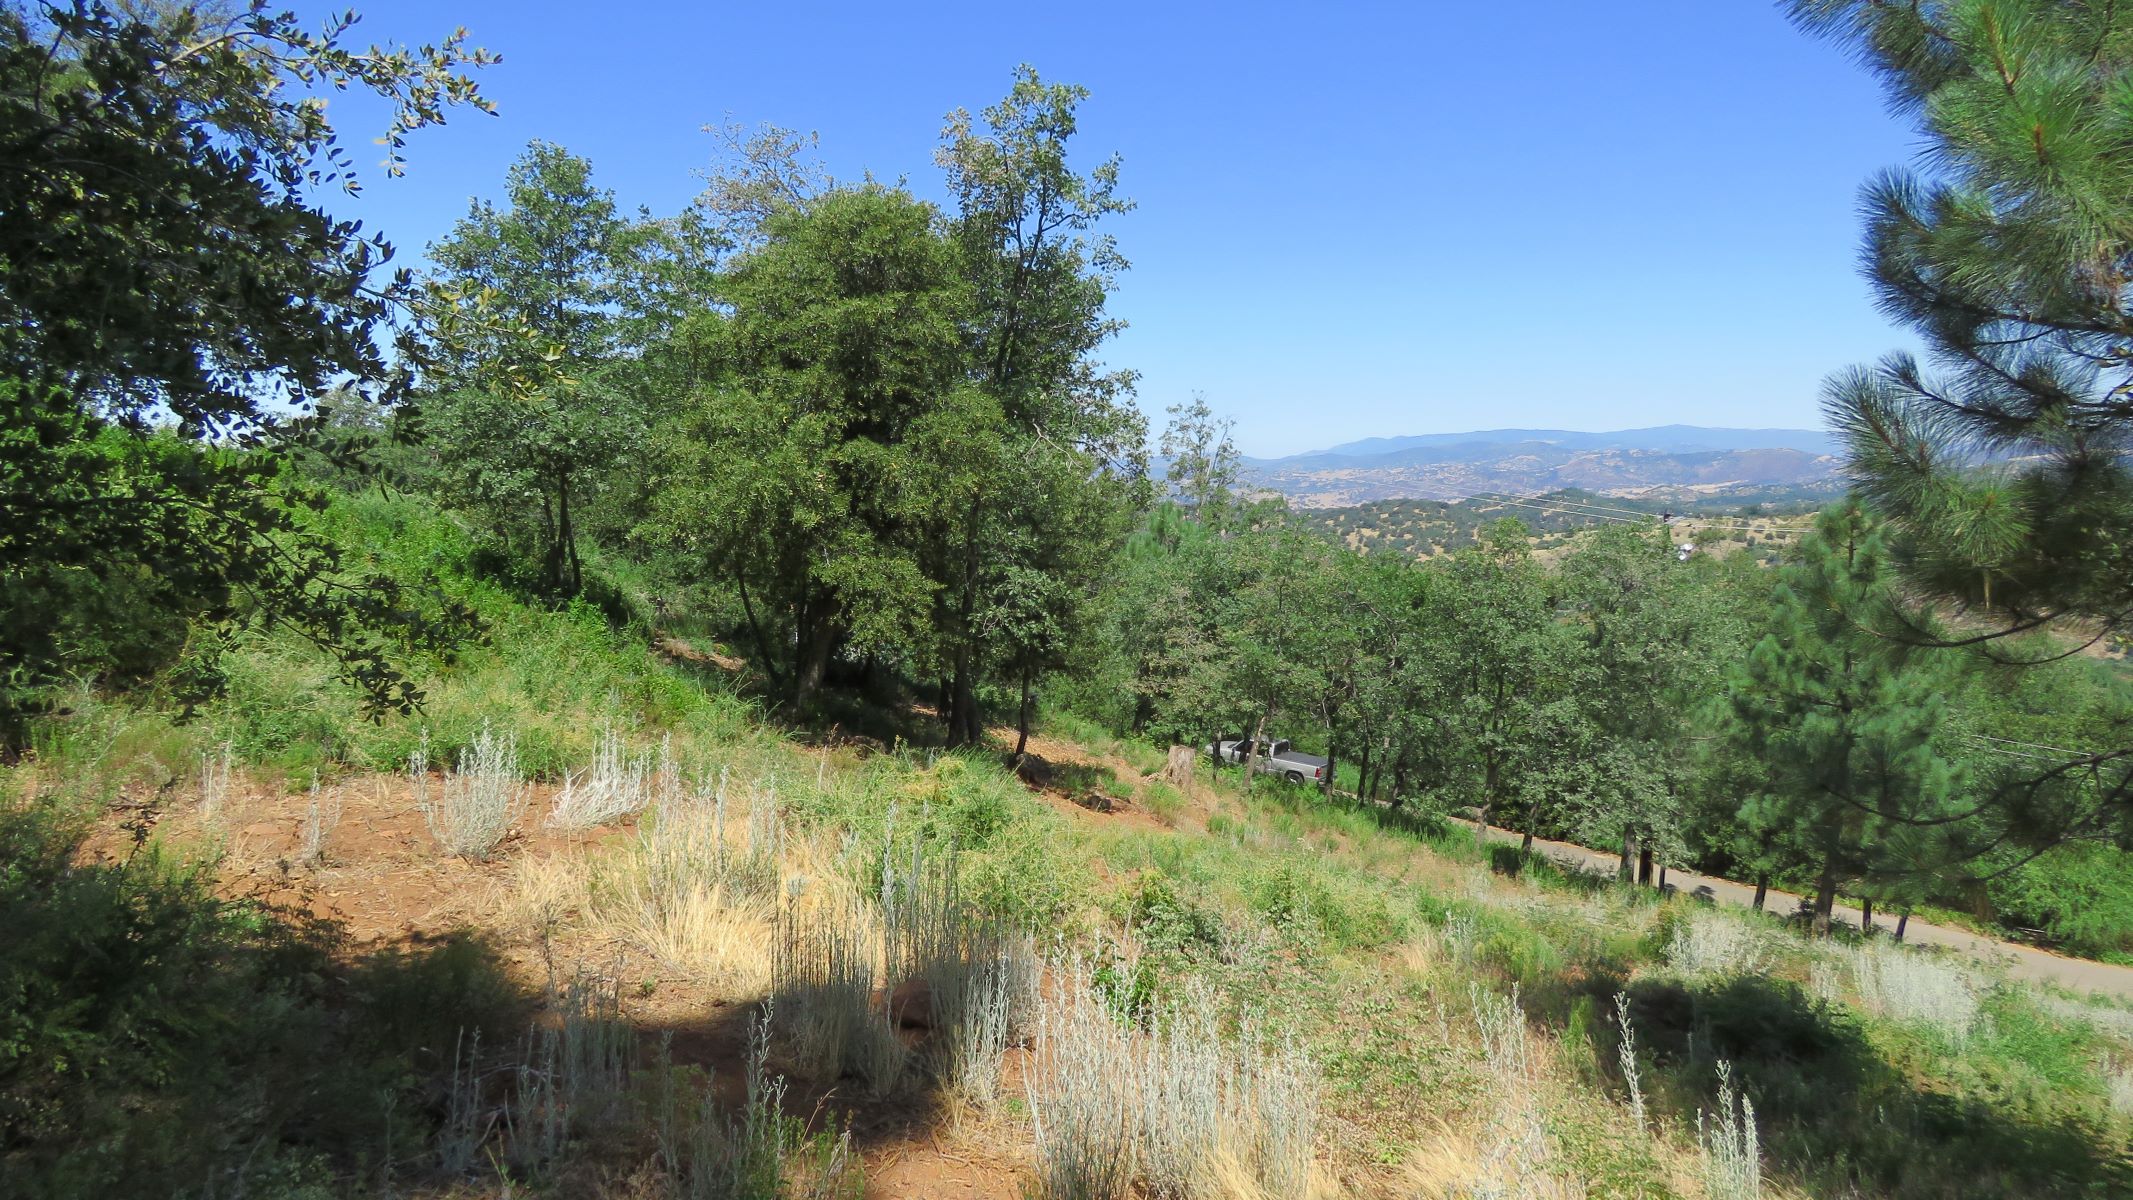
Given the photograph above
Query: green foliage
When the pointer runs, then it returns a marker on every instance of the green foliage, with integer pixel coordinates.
(157, 1040)
(167, 265)
(815, 477)
(2003, 459)
(1851, 728)
(1166, 920)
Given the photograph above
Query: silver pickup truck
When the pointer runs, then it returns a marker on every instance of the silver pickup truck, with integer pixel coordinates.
(1275, 758)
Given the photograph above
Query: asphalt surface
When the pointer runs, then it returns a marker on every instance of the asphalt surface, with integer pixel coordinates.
(2021, 962)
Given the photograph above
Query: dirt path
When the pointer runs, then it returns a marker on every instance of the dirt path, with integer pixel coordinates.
(2021, 962)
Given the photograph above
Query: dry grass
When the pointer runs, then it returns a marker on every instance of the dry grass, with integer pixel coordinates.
(481, 796)
(322, 815)
(615, 785)
(1179, 1111)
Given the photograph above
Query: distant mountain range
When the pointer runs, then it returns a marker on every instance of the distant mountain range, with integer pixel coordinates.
(1666, 461)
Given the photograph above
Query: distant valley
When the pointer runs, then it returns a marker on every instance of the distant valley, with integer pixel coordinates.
(1664, 463)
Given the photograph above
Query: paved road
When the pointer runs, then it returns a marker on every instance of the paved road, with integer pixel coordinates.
(2022, 962)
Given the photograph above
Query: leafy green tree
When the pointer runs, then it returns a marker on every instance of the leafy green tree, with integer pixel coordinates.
(1038, 277)
(169, 291)
(528, 415)
(1865, 780)
(820, 467)
(1203, 465)
(2002, 460)
(1501, 666)
(1658, 642)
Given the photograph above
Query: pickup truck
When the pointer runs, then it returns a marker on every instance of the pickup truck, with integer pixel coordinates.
(1275, 758)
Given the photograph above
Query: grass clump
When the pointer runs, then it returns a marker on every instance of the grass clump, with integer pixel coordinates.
(616, 785)
(1908, 985)
(481, 797)
(1178, 1112)
(1732, 1160)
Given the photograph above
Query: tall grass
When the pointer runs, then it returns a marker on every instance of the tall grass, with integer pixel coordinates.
(1708, 944)
(480, 798)
(697, 887)
(1908, 985)
(1626, 1055)
(829, 994)
(1179, 1112)
(756, 1153)
(322, 815)
(1517, 1156)
(1732, 1159)
(614, 786)
(215, 771)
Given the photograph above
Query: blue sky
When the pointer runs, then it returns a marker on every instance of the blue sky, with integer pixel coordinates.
(1353, 220)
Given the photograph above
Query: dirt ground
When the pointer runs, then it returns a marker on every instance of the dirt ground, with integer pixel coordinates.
(387, 883)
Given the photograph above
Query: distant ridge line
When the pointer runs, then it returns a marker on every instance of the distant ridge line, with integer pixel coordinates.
(1670, 439)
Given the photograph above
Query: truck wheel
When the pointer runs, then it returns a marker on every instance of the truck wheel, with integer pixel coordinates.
(1294, 777)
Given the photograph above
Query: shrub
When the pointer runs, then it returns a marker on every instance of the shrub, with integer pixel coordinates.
(1706, 943)
(1908, 985)
(481, 796)
(1179, 1111)
(614, 786)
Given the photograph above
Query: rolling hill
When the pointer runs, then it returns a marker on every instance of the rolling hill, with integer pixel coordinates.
(1666, 463)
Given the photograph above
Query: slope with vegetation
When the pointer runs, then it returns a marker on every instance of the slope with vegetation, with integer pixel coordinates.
(624, 937)
(417, 786)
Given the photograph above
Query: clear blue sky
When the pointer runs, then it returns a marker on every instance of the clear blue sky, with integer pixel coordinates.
(1353, 220)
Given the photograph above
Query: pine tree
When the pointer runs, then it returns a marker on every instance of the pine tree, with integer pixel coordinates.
(2009, 253)
(1848, 723)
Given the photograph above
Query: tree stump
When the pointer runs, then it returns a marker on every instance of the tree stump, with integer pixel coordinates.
(1178, 771)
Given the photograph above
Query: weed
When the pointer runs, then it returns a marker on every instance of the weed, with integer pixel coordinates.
(322, 815)
(1706, 943)
(481, 795)
(614, 786)
(1911, 986)
(1626, 1055)
(1732, 1161)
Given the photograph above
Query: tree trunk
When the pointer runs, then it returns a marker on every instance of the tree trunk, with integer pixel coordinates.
(963, 701)
(1629, 853)
(1251, 754)
(1866, 914)
(1362, 774)
(1525, 845)
(762, 644)
(1762, 890)
(963, 721)
(1178, 769)
(1491, 775)
(1022, 717)
(1902, 919)
(1644, 865)
(567, 533)
(815, 646)
(1825, 899)
(1333, 762)
(1662, 877)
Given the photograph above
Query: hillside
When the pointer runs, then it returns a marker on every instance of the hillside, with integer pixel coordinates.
(1426, 528)
(1670, 464)
(681, 948)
